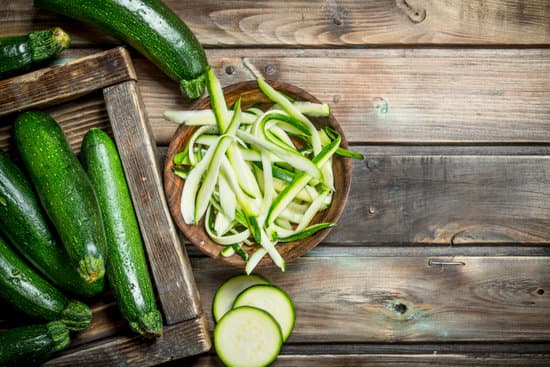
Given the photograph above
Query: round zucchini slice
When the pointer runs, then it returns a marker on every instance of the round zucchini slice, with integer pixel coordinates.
(228, 291)
(247, 337)
(273, 300)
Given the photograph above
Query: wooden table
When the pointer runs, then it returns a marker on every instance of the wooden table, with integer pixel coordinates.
(441, 256)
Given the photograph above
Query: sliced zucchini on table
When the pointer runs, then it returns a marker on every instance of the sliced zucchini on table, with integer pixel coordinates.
(229, 290)
(247, 337)
(273, 300)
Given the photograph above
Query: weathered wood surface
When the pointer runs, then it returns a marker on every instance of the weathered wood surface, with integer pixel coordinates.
(180, 340)
(167, 258)
(441, 199)
(457, 140)
(57, 84)
(76, 117)
(418, 96)
(424, 196)
(406, 299)
(392, 360)
(411, 96)
(328, 23)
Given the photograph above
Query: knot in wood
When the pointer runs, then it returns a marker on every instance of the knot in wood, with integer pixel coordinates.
(415, 14)
(230, 70)
(270, 69)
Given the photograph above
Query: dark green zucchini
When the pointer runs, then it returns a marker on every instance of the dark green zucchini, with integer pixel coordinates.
(19, 53)
(64, 189)
(32, 345)
(126, 263)
(23, 223)
(151, 28)
(26, 290)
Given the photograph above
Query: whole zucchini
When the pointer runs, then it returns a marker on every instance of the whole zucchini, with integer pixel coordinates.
(64, 189)
(151, 28)
(24, 289)
(126, 264)
(18, 53)
(23, 223)
(31, 345)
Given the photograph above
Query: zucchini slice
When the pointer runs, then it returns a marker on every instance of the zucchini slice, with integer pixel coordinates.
(273, 300)
(228, 291)
(247, 337)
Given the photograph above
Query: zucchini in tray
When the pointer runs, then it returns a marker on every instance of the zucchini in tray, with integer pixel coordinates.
(151, 28)
(26, 290)
(65, 191)
(24, 224)
(31, 345)
(127, 271)
(18, 53)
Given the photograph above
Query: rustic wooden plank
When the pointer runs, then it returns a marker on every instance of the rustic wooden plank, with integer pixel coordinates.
(180, 340)
(76, 117)
(392, 360)
(457, 96)
(406, 299)
(328, 23)
(427, 198)
(60, 83)
(167, 257)
(447, 200)
(463, 101)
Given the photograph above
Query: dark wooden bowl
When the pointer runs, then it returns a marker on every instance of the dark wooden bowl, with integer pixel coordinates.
(252, 95)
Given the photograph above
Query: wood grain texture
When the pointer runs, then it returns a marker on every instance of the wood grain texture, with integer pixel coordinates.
(406, 299)
(391, 360)
(456, 96)
(61, 83)
(168, 260)
(323, 23)
(447, 200)
(76, 117)
(410, 96)
(133, 350)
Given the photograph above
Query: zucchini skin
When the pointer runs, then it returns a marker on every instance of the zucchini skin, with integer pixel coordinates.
(23, 288)
(127, 271)
(151, 28)
(19, 53)
(64, 189)
(31, 345)
(23, 223)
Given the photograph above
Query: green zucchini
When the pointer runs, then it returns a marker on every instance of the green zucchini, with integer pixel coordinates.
(33, 344)
(19, 53)
(64, 189)
(23, 223)
(126, 263)
(27, 291)
(151, 28)
(247, 337)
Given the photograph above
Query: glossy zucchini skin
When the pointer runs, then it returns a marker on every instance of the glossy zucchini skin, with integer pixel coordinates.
(26, 290)
(31, 345)
(151, 28)
(127, 271)
(23, 223)
(65, 191)
(19, 53)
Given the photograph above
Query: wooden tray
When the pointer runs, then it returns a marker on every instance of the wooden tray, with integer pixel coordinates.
(108, 341)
